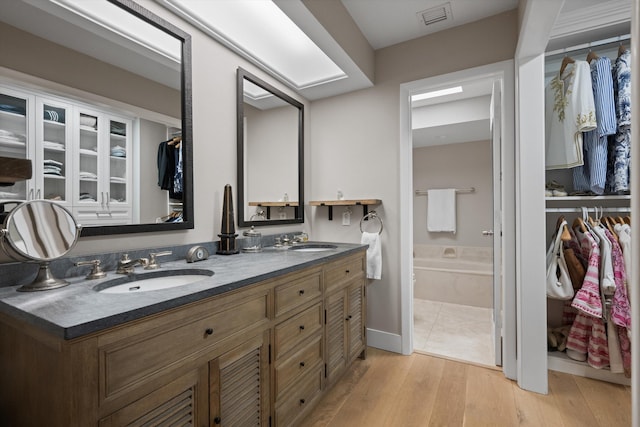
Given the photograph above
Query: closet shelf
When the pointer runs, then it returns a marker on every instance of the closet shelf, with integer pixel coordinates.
(559, 361)
(365, 203)
(587, 198)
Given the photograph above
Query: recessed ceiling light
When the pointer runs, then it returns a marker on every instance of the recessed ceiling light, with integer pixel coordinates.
(436, 93)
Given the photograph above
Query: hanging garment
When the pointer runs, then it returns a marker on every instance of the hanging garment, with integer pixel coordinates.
(176, 193)
(624, 238)
(592, 175)
(570, 110)
(588, 341)
(166, 166)
(619, 145)
(607, 280)
(587, 299)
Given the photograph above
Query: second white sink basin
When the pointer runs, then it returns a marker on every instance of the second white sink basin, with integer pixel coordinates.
(153, 281)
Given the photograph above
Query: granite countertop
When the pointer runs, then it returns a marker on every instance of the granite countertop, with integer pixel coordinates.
(78, 310)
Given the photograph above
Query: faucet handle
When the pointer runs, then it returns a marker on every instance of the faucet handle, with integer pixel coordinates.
(153, 262)
(96, 272)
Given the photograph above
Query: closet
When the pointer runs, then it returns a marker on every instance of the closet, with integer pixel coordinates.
(594, 199)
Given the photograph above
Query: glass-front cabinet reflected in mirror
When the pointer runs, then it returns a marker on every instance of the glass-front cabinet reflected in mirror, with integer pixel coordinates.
(108, 125)
(270, 154)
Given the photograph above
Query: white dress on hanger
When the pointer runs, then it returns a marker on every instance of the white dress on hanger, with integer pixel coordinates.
(570, 110)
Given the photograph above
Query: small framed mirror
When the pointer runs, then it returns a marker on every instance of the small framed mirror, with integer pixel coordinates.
(270, 154)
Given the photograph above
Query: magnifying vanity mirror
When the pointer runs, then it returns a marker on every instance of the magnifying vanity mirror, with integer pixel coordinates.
(89, 92)
(270, 154)
(39, 231)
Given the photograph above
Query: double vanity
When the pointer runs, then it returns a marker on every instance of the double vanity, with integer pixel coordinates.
(249, 339)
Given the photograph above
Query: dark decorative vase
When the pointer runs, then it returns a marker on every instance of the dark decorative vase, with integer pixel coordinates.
(227, 245)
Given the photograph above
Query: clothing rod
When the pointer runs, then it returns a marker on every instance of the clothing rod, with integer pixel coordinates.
(458, 190)
(583, 46)
(579, 210)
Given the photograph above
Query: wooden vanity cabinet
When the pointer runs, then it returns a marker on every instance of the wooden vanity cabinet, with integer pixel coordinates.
(261, 355)
(345, 307)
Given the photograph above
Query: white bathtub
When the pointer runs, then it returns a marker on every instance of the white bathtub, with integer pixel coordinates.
(453, 274)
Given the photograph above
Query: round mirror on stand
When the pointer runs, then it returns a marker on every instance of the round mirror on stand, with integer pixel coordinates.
(39, 231)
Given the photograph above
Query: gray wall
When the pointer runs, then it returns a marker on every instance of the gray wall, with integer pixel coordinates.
(455, 166)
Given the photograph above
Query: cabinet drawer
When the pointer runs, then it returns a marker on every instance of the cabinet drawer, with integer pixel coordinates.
(298, 364)
(300, 399)
(296, 292)
(130, 362)
(342, 271)
(300, 327)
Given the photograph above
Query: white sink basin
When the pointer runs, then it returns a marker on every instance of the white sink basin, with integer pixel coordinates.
(313, 247)
(153, 281)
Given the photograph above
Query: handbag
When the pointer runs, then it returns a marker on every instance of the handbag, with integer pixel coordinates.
(559, 285)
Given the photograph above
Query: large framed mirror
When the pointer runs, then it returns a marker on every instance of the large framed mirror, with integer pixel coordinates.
(97, 94)
(270, 154)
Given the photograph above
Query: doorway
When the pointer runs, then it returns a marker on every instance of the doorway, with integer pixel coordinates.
(453, 255)
(497, 247)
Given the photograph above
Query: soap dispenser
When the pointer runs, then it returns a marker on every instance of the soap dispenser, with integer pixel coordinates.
(254, 240)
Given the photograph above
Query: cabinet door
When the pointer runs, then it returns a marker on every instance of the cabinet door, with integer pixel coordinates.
(181, 402)
(336, 330)
(53, 160)
(239, 385)
(17, 136)
(88, 193)
(117, 162)
(355, 319)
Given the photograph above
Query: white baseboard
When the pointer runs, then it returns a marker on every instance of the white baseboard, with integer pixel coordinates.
(384, 340)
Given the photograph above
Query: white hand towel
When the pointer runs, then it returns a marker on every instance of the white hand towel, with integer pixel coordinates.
(374, 255)
(441, 210)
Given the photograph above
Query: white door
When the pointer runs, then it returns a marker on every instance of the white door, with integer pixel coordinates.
(496, 233)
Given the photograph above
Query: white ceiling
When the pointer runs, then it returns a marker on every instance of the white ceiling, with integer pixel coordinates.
(388, 22)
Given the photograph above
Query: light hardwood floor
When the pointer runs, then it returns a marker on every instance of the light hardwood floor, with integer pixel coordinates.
(388, 389)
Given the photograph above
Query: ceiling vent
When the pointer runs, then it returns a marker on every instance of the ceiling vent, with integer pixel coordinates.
(435, 15)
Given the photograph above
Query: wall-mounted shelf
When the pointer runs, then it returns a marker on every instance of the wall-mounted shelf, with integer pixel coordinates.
(270, 205)
(365, 203)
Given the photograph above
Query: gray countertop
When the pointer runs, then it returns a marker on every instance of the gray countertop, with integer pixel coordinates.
(78, 310)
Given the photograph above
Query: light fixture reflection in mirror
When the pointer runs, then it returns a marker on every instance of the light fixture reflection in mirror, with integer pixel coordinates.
(142, 74)
(39, 231)
(270, 154)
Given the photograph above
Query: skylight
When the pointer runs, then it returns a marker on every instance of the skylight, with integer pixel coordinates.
(260, 31)
(123, 23)
(436, 93)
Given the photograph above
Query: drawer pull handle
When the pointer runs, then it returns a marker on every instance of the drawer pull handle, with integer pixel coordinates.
(302, 364)
(348, 317)
(209, 331)
(302, 401)
(302, 327)
(347, 271)
(217, 420)
(301, 292)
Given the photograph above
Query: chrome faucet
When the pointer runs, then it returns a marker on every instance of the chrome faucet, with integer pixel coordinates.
(127, 265)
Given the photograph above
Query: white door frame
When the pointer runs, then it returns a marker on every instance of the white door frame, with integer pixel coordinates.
(503, 71)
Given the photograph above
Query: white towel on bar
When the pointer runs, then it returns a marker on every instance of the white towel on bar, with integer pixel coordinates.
(374, 255)
(441, 210)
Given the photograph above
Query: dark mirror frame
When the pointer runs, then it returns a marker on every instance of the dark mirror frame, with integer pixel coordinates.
(187, 131)
(241, 75)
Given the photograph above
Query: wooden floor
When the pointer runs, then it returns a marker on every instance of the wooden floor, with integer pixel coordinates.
(388, 389)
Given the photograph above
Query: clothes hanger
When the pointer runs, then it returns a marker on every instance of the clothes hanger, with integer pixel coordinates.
(565, 236)
(566, 61)
(591, 56)
(580, 222)
(174, 140)
(627, 220)
(621, 49)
